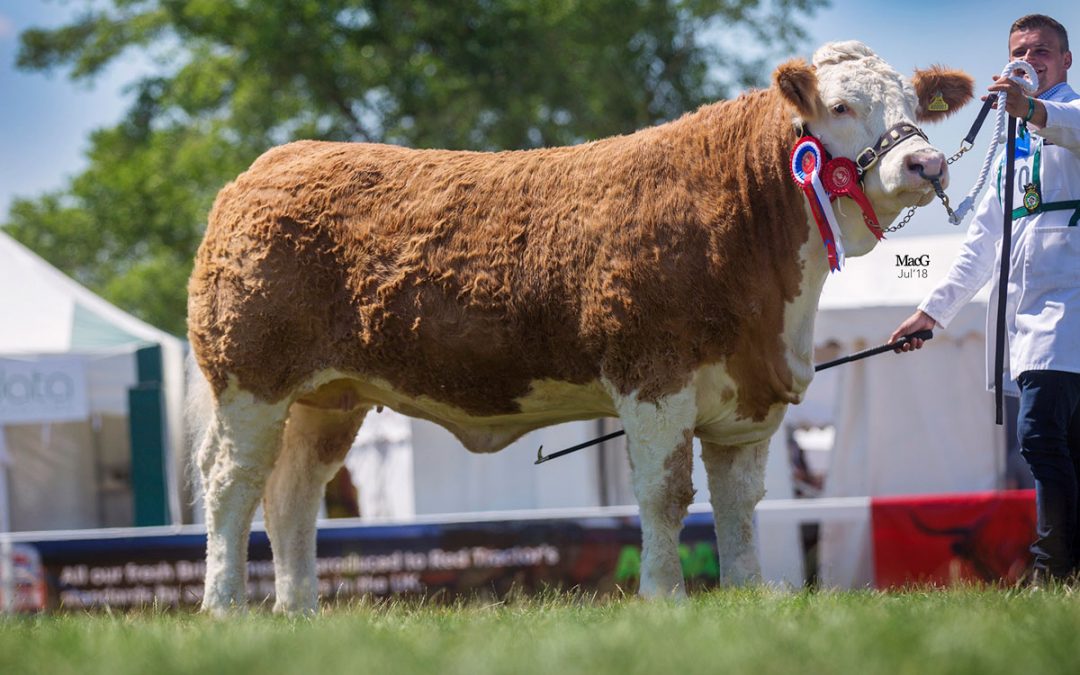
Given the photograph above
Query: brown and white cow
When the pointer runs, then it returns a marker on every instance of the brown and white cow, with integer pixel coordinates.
(669, 277)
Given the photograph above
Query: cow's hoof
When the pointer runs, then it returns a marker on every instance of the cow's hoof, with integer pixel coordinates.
(292, 609)
(221, 611)
(670, 590)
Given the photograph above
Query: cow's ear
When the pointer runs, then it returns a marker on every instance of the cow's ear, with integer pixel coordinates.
(797, 83)
(941, 91)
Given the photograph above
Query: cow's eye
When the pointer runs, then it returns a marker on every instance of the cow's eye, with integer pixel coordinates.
(839, 109)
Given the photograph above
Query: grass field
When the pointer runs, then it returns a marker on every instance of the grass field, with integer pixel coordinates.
(742, 631)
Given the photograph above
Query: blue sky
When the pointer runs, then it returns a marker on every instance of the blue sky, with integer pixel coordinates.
(45, 119)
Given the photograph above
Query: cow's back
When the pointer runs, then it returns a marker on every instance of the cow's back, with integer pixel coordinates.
(429, 269)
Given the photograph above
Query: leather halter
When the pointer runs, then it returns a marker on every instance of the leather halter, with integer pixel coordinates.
(893, 136)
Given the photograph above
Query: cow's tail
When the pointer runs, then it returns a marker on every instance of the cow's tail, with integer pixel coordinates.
(198, 414)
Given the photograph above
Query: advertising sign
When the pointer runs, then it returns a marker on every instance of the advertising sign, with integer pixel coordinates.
(941, 540)
(38, 391)
(440, 561)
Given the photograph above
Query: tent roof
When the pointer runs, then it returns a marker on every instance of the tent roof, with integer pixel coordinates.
(869, 298)
(47, 312)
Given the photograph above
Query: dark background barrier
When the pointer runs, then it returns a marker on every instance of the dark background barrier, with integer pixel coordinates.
(918, 539)
(442, 561)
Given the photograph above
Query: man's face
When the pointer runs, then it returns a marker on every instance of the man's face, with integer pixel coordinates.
(1041, 47)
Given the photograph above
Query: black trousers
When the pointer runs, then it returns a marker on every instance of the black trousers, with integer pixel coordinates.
(1048, 426)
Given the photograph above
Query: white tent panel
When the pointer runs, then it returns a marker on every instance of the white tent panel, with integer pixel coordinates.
(52, 476)
(450, 479)
(47, 313)
(51, 312)
(37, 314)
(380, 463)
(108, 377)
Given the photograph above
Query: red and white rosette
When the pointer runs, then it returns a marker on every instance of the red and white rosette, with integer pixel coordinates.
(841, 178)
(840, 175)
(807, 163)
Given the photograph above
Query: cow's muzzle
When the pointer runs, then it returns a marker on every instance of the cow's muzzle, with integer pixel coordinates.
(938, 181)
(929, 165)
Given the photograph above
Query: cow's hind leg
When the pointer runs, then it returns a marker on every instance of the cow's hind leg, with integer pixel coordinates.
(660, 441)
(736, 484)
(316, 442)
(235, 457)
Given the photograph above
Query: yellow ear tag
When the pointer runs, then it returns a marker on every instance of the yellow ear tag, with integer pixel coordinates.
(938, 104)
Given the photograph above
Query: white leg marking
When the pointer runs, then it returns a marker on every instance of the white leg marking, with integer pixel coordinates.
(315, 445)
(234, 460)
(660, 440)
(736, 484)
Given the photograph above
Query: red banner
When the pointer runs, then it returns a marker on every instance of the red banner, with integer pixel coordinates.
(945, 539)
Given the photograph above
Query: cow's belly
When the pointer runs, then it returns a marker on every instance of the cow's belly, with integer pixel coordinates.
(718, 419)
(548, 402)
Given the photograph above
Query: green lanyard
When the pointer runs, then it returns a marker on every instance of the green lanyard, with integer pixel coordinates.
(1033, 202)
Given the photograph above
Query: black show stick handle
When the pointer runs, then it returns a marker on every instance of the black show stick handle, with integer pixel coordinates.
(922, 335)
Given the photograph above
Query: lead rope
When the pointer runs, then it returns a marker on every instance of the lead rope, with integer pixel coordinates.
(1029, 85)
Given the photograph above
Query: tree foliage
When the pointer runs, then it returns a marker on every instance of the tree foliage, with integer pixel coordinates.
(231, 78)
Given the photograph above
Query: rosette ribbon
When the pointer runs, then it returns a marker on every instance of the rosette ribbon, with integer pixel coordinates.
(807, 161)
(841, 179)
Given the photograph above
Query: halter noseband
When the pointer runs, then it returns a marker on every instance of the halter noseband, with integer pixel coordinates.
(893, 136)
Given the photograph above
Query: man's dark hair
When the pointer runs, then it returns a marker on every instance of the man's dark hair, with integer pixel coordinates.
(1033, 21)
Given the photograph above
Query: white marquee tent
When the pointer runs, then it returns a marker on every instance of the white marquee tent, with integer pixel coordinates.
(67, 360)
(917, 423)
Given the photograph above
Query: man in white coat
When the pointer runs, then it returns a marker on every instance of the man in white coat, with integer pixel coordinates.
(1043, 304)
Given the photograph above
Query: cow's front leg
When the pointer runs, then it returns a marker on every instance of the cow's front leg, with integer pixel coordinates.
(660, 439)
(736, 485)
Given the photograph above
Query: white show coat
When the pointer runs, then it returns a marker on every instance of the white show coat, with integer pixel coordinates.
(1043, 306)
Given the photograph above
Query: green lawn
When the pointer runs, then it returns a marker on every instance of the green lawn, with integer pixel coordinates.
(744, 631)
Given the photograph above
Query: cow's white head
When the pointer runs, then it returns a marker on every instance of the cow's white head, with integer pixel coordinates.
(848, 98)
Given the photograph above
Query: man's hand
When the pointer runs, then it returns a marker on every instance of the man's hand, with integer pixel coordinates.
(920, 320)
(1016, 101)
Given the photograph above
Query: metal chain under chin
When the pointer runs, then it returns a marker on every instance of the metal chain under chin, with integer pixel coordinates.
(964, 147)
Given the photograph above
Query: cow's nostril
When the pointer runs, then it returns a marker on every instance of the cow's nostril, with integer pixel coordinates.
(931, 166)
(926, 168)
